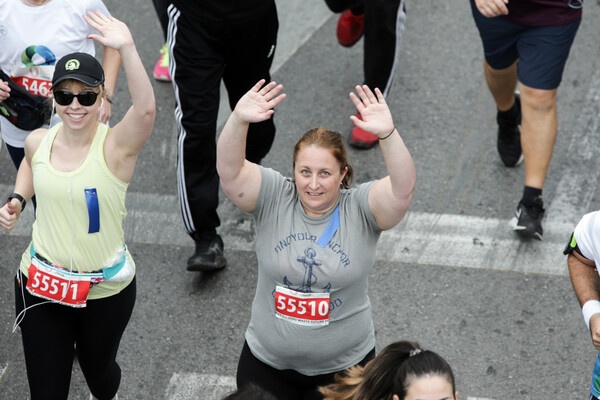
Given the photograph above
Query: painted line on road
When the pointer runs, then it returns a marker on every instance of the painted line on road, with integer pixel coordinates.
(184, 386)
(421, 238)
(3, 372)
(579, 180)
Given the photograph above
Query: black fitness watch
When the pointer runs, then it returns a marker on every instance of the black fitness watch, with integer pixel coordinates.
(18, 197)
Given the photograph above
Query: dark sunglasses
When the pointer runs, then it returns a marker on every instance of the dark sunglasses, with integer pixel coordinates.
(65, 98)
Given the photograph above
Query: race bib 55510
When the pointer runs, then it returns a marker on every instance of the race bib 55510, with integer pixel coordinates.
(300, 308)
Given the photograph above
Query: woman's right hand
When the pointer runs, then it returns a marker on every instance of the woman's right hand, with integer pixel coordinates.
(9, 214)
(4, 90)
(258, 103)
(492, 8)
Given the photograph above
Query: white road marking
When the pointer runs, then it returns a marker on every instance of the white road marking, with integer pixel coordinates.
(421, 238)
(3, 370)
(184, 386)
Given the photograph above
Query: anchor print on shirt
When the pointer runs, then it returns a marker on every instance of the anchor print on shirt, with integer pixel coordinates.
(309, 262)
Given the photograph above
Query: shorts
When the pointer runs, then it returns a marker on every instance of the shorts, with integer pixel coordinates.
(542, 51)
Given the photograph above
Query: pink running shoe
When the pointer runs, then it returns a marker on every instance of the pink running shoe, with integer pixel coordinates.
(161, 69)
(350, 28)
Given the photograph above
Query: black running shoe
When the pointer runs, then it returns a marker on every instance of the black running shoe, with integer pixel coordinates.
(528, 219)
(209, 253)
(509, 138)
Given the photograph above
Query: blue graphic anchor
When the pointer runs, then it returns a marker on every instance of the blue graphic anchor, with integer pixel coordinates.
(310, 278)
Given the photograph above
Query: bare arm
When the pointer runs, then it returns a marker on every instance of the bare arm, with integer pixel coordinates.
(4, 90)
(128, 136)
(111, 62)
(390, 197)
(240, 178)
(10, 212)
(586, 284)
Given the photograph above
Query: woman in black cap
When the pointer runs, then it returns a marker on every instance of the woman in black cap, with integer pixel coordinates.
(76, 281)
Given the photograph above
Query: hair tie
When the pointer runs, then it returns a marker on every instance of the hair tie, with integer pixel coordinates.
(414, 352)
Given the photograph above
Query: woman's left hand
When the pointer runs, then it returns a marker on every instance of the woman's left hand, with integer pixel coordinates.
(374, 111)
(115, 34)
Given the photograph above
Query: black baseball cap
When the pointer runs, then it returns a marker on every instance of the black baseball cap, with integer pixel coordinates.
(79, 66)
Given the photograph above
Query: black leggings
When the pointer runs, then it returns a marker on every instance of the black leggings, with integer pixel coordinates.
(50, 332)
(283, 384)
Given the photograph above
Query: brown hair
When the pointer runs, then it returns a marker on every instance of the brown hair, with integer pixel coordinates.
(330, 140)
(391, 372)
(60, 85)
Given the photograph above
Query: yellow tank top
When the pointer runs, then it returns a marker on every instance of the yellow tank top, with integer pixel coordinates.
(62, 225)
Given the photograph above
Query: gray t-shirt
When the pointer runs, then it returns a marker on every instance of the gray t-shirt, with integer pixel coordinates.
(289, 256)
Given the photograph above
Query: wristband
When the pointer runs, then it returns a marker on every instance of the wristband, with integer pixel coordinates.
(388, 135)
(18, 197)
(590, 308)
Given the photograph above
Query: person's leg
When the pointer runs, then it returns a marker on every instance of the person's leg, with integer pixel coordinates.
(100, 327)
(17, 154)
(338, 6)
(48, 335)
(538, 132)
(499, 38)
(251, 370)
(197, 68)
(250, 49)
(351, 25)
(384, 27)
(543, 53)
(502, 84)
(161, 68)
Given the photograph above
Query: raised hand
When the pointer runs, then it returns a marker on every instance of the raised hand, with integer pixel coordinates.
(115, 34)
(492, 8)
(258, 103)
(4, 90)
(9, 215)
(375, 113)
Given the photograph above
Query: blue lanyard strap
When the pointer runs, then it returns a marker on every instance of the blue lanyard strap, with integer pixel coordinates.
(331, 229)
(91, 198)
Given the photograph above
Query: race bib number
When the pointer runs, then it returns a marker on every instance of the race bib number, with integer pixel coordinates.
(50, 284)
(37, 80)
(311, 309)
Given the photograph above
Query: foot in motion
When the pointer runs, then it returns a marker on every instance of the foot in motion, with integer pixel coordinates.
(509, 137)
(209, 253)
(361, 139)
(161, 69)
(528, 218)
(350, 28)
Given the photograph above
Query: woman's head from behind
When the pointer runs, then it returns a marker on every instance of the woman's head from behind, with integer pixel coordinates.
(321, 167)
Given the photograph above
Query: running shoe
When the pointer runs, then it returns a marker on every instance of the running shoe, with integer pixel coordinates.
(509, 139)
(161, 69)
(208, 255)
(361, 139)
(528, 219)
(350, 28)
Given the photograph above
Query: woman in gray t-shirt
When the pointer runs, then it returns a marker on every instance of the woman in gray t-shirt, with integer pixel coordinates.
(315, 244)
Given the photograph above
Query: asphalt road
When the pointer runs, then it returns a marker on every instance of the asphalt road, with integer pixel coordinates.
(451, 276)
